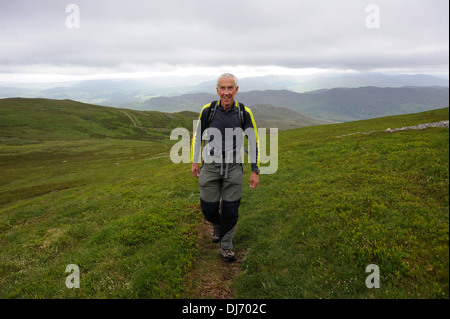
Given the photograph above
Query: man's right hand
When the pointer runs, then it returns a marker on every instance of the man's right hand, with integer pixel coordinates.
(195, 170)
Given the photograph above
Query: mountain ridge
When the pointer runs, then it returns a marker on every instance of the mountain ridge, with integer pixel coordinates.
(337, 104)
(116, 92)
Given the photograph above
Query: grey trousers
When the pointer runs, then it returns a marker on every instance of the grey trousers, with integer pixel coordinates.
(215, 184)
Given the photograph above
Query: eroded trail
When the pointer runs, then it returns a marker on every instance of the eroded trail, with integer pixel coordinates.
(211, 277)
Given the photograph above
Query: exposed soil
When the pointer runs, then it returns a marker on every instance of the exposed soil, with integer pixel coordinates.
(211, 277)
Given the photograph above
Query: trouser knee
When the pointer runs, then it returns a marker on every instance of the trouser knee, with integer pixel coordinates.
(210, 211)
(229, 216)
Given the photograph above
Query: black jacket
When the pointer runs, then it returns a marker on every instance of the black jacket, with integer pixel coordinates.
(221, 121)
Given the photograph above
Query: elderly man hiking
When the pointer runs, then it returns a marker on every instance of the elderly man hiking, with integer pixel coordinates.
(221, 174)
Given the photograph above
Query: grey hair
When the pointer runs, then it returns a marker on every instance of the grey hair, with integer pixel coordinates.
(227, 75)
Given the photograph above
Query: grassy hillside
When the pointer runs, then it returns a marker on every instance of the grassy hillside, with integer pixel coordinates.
(116, 206)
(35, 120)
(338, 204)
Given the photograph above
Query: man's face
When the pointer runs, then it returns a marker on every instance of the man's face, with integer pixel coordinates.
(227, 90)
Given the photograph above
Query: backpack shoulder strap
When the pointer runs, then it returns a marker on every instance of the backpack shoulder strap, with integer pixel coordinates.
(241, 110)
(213, 109)
(211, 112)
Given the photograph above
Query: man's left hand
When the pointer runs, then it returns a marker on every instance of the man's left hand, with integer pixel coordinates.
(254, 180)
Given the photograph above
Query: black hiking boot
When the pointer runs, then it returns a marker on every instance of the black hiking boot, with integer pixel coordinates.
(227, 254)
(215, 235)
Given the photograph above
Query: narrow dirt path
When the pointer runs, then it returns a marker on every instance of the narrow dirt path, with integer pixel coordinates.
(211, 277)
(135, 122)
(132, 120)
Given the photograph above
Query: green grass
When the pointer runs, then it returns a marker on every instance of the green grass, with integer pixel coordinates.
(104, 204)
(339, 204)
(124, 225)
(112, 202)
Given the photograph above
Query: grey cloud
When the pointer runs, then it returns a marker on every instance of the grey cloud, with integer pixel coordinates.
(326, 33)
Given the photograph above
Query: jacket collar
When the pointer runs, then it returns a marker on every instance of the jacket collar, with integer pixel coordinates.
(219, 103)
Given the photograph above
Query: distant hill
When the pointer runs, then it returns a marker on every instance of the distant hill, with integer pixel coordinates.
(366, 79)
(268, 116)
(130, 92)
(33, 120)
(350, 104)
(326, 81)
(192, 102)
(340, 104)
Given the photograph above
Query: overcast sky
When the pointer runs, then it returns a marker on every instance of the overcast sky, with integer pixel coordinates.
(39, 40)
